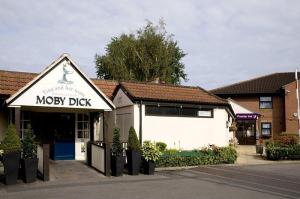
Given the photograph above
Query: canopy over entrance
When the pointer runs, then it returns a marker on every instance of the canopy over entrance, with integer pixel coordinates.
(61, 85)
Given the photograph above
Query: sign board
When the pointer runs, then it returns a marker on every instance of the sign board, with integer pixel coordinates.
(246, 116)
(62, 86)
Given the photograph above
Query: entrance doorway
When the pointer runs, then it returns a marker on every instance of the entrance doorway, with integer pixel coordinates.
(246, 132)
(57, 129)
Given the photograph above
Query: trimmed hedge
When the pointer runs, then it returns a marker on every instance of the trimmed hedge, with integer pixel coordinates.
(283, 152)
(173, 158)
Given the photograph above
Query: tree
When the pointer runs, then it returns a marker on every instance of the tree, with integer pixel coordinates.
(148, 55)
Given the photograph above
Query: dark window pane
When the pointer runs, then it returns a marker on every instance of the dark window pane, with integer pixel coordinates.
(265, 102)
(167, 111)
(189, 112)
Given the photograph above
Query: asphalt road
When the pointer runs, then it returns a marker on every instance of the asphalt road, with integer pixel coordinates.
(242, 182)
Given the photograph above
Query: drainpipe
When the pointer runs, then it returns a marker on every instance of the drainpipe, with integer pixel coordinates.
(141, 122)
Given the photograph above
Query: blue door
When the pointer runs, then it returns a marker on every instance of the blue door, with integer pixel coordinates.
(64, 137)
(64, 150)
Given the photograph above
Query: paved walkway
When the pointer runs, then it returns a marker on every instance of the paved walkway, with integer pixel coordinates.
(247, 156)
(72, 171)
(214, 182)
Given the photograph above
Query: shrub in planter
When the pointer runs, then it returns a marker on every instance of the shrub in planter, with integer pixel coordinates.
(150, 154)
(117, 158)
(11, 147)
(29, 161)
(133, 153)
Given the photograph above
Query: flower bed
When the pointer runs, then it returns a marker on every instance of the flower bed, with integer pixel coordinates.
(207, 156)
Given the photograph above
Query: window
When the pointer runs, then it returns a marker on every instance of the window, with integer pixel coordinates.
(266, 129)
(158, 110)
(205, 113)
(178, 111)
(265, 102)
(25, 120)
(83, 126)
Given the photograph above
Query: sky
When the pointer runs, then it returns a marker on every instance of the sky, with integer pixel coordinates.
(226, 41)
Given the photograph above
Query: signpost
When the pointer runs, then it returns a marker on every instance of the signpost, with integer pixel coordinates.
(297, 97)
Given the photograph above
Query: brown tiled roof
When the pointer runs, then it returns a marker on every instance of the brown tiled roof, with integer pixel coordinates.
(170, 93)
(12, 81)
(269, 84)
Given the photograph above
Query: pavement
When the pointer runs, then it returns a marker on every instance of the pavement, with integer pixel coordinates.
(209, 182)
(247, 179)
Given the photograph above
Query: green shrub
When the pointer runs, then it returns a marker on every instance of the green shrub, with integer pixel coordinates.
(150, 151)
(206, 156)
(117, 148)
(275, 151)
(133, 141)
(11, 140)
(28, 144)
(161, 146)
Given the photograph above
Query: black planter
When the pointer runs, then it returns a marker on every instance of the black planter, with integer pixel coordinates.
(29, 169)
(148, 167)
(133, 161)
(117, 165)
(11, 163)
(259, 149)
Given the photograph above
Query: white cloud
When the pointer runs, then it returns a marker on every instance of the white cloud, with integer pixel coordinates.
(226, 41)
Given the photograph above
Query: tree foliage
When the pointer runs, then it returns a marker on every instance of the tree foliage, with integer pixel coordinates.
(117, 149)
(11, 140)
(148, 55)
(133, 141)
(29, 145)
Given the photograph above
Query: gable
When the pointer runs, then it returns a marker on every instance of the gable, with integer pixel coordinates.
(238, 108)
(61, 85)
(121, 99)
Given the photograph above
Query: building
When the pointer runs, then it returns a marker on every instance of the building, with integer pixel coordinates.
(268, 103)
(66, 109)
(181, 116)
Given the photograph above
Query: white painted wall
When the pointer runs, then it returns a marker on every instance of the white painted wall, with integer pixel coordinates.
(187, 132)
(237, 108)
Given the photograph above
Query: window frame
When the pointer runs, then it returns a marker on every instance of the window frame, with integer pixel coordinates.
(260, 101)
(180, 112)
(261, 129)
(83, 121)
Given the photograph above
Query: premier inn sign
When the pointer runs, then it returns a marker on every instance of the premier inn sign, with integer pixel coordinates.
(61, 85)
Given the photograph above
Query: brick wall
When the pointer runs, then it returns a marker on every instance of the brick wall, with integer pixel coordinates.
(276, 115)
(291, 108)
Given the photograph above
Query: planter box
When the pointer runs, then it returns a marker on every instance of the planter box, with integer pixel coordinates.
(11, 163)
(148, 167)
(29, 169)
(259, 149)
(133, 161)
(117, 165)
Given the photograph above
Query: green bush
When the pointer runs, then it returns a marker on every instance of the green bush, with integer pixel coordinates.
(207, 156)
(117, 148)
(161, 146)
(133, 141)
(275, 151)
(150, 151)
(11, 140)
(28, 144)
